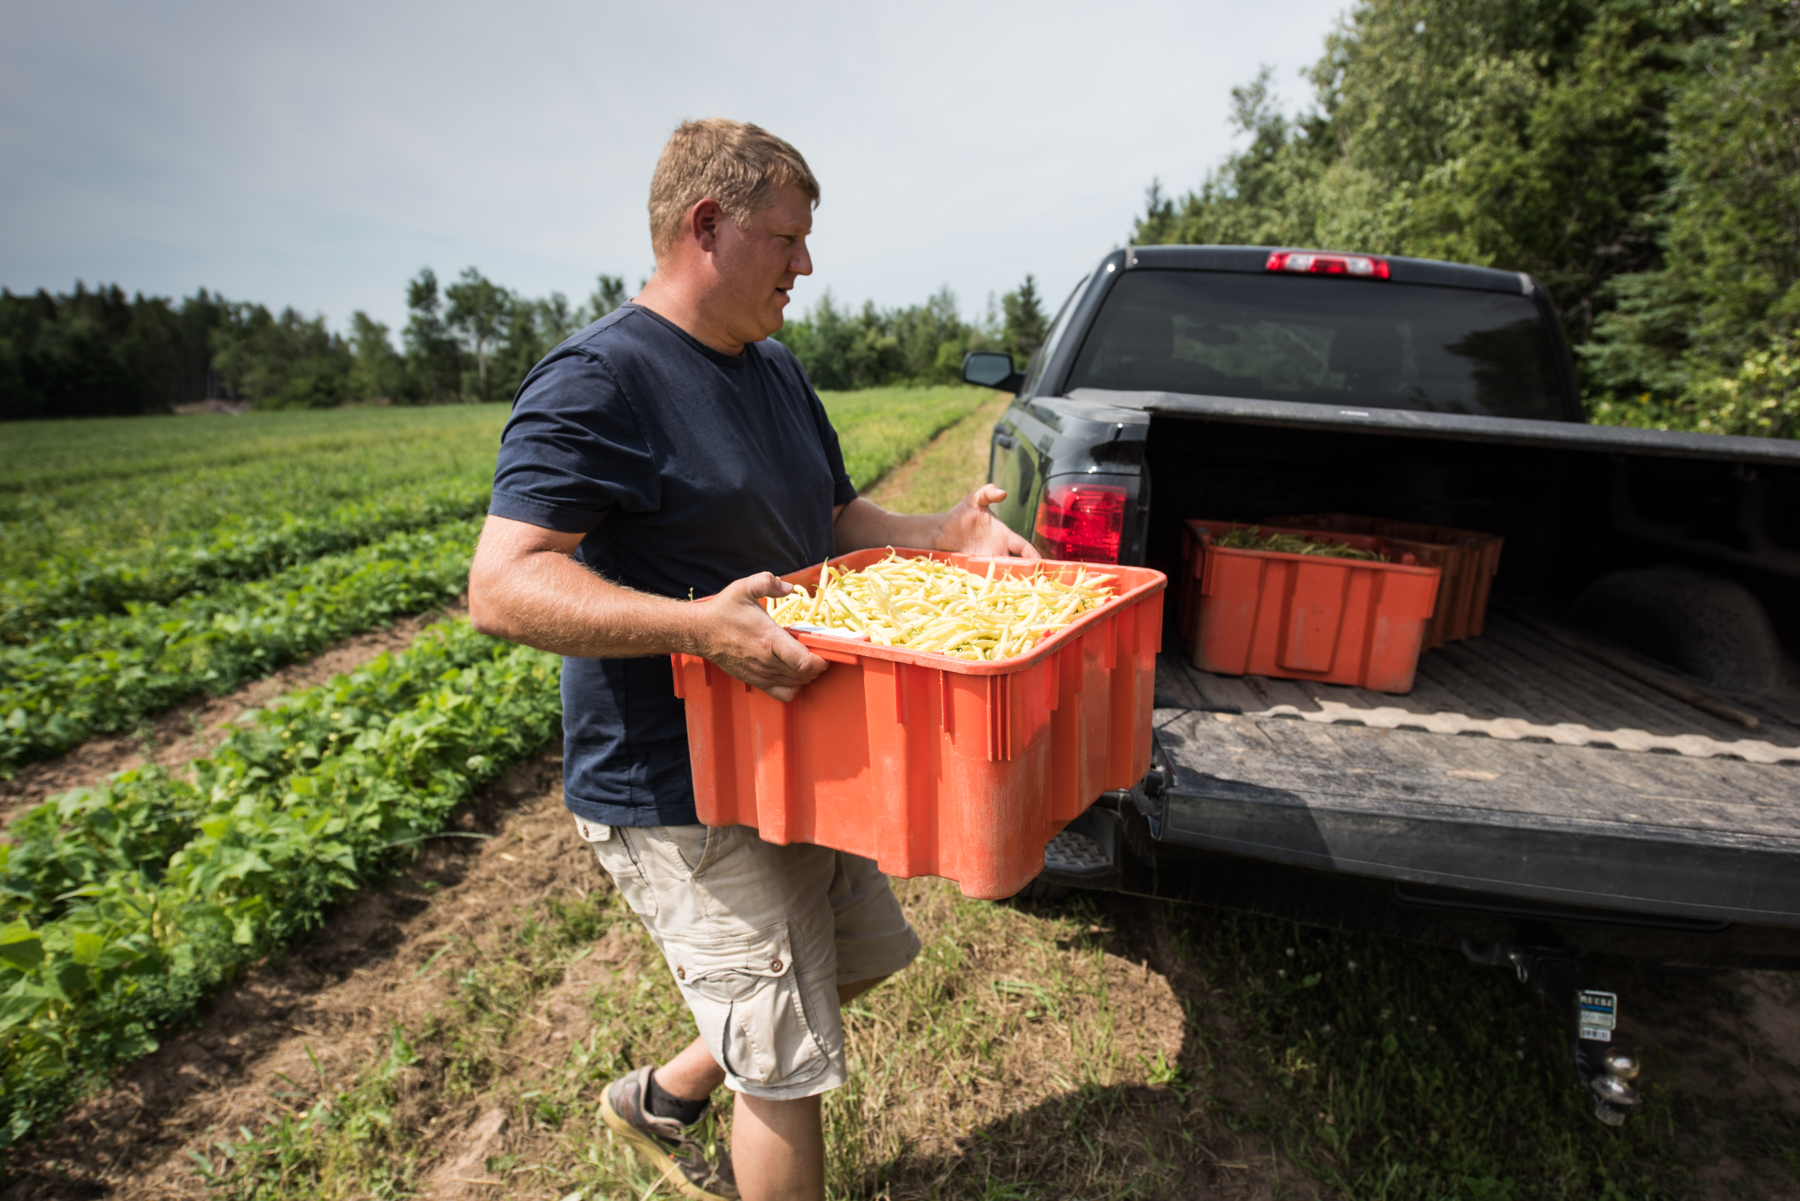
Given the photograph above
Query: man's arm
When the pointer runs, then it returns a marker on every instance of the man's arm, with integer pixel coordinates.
(969, 527)
(525, 586)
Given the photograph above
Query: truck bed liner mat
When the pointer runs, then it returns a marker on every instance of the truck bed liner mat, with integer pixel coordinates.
(1513, 684)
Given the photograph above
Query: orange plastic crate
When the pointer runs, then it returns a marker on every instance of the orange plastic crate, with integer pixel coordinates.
(1470, 560)
(1305, 617)
(929, 765)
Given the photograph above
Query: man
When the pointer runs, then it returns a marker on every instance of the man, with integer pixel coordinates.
(670, 451)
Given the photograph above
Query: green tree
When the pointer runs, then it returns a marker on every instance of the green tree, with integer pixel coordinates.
(921, 344)
(92, 351)
(608, 295)
(433, 357)
(532, 329)
(285, 362)
(1522, 134)
(477, 312)
(1024, 324)
(1728, 287)
(377, 371)
(1642, 160)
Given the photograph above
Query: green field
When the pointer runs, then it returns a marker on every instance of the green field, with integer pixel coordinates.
(148, 560)
(79, 495)
(138, 488)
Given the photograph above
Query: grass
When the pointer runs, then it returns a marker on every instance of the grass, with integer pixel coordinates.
(371, 1137)
(946, 470)
(998, 1066)
(881, 428)
(1101, 1047)
(1394, 1070)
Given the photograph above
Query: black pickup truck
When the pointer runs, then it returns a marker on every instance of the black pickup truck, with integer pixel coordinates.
(1612, 768)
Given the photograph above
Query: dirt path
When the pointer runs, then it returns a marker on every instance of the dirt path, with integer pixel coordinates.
(191, 730)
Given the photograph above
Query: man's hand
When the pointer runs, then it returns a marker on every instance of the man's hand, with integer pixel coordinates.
(525, 587)
(736, 632)
(973, 530)
(969, 527)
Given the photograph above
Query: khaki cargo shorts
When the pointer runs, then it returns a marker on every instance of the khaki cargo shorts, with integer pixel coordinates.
(759, 937)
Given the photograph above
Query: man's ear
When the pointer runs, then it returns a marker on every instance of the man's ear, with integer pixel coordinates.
(703, 223)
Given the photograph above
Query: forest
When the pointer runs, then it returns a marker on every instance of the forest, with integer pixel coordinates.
(1640, 159)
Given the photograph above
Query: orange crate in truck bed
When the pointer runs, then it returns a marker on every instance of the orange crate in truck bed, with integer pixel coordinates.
(1469, 559)
(929, 765)
(1304, 617)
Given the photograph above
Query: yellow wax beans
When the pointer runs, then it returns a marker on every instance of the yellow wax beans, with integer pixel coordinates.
(924, 605)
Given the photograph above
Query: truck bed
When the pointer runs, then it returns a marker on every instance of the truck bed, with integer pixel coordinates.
(1516, 767)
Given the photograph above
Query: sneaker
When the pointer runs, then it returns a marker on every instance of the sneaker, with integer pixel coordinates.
(664, 1143)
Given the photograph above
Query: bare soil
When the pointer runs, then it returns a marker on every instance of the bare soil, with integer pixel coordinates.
(193, 728)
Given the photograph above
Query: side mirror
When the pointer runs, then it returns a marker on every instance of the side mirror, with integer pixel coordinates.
(991, 369)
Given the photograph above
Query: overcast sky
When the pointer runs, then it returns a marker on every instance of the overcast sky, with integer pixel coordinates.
(318, 155)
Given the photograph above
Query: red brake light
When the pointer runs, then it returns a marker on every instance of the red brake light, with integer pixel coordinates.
(1362, 266)
(1082, 522)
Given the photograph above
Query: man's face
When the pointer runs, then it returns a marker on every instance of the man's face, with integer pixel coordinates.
(758, 264)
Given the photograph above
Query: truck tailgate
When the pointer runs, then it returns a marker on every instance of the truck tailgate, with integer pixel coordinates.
(1515, 768)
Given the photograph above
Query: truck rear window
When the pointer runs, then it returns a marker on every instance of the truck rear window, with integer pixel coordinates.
(1371, 344)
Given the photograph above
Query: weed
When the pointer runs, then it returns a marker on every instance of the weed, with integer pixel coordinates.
(1402, 1071)
(348, 1145)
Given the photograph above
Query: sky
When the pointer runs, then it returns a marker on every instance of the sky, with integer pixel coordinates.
(320, 154)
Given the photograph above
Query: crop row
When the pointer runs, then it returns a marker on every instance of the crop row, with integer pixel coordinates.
(122, 907)
(79, 585)
(132, 488)
(93, 675)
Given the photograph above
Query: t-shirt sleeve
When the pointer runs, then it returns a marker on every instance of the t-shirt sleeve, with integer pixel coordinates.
(572, 450)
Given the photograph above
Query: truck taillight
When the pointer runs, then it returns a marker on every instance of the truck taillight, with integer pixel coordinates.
(1360, 265)
(1082, 522)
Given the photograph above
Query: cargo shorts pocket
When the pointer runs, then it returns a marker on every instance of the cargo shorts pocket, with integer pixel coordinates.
(620, 859)
(751, 1009)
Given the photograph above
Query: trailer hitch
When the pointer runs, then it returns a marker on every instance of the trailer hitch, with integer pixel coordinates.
(1590, 1017)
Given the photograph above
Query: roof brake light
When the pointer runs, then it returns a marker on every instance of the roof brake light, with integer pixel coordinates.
(1362, 266)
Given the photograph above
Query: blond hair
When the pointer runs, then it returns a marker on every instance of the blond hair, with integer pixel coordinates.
(735, 163)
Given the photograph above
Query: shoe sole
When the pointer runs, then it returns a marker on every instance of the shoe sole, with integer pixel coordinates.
(654, 1152)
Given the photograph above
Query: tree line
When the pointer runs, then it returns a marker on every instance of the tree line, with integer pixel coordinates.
(1641, 159)
(92, 352)
(844, 349)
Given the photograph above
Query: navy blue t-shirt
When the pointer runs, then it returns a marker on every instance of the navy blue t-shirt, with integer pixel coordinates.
(686, 469)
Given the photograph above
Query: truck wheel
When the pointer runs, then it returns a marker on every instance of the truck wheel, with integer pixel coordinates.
(1041, 889)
